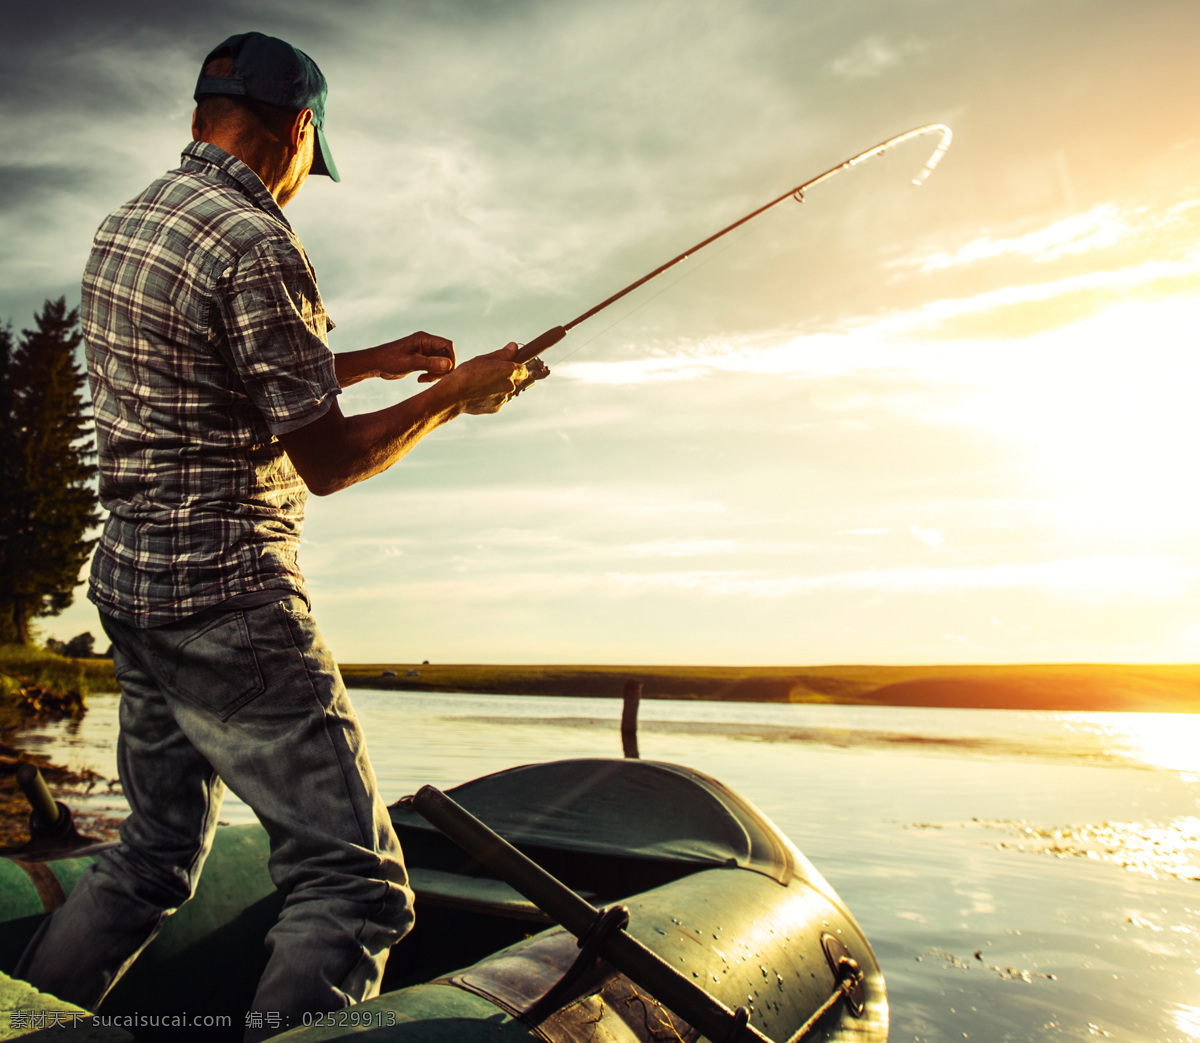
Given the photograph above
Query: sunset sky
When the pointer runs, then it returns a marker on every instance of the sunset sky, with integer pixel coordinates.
(953, 423)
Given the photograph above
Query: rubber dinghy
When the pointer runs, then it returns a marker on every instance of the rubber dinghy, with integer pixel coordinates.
(737, 923)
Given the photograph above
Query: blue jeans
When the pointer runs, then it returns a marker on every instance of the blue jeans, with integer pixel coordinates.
(251, 699)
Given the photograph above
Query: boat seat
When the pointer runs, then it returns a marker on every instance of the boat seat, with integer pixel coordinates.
(474, 893)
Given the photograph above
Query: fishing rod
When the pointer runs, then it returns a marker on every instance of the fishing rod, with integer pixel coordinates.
(529, 352)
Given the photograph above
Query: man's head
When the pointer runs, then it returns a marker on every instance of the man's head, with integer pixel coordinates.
(266, 99)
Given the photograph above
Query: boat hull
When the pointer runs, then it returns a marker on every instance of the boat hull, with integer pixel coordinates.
(748, 919)
(748, 940)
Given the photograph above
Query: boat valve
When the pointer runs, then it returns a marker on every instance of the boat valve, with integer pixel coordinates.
(848, 976)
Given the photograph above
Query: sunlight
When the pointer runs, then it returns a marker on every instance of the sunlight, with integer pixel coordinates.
(1159, 740)
(1099, 411)
(1103, 415)
(1187, 1020)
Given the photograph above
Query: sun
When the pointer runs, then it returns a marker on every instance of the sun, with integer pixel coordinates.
(1103, 415)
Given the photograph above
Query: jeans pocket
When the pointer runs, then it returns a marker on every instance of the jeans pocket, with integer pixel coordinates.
(216, 667)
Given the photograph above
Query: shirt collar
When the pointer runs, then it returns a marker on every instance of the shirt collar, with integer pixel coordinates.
(207, 158)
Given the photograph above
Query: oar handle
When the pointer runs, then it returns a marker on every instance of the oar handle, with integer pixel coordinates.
(490, 849)
(45, 808)
(624, 952)
(540, 343)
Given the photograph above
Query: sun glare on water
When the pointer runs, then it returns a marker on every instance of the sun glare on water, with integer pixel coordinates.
(1158, 740)
(1187, 1020)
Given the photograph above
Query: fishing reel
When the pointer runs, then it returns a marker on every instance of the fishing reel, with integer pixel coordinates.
(538, 370)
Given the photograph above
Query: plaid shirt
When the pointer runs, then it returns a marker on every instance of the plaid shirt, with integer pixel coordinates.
(206, 338)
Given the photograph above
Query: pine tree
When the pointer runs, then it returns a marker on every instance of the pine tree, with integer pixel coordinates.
(12, 473)
(9, 483)
(50, 502)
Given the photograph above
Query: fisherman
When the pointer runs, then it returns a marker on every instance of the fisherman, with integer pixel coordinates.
(215, 398)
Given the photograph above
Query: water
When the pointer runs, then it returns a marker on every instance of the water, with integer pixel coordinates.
(1022, 876)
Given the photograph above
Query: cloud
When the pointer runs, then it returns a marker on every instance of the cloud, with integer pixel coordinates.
(669, 548)
(872, 57)
(930, 537)
(1153, 577)
(1098, 229)
(1149, 575)
(901, 342)
(1097, 288)
(1158, 228)
(25, 185)
(643, 371)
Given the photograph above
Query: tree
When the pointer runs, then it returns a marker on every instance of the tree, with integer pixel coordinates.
(81, 646)
(49, 498)
(11, 479)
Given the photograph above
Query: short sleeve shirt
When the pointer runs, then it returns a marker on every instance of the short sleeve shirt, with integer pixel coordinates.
(206, 339)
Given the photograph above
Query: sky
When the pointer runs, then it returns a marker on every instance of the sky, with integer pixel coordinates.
(891, 424)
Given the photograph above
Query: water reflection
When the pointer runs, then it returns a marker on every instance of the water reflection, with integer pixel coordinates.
(1159, 850)
(444, 738)
(977, 938)
(1187, 1020)
(1162, 740)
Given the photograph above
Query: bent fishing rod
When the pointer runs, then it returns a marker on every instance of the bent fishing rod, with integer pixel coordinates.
(529, 352)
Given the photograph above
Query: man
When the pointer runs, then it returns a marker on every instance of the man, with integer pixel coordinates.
(216, 404)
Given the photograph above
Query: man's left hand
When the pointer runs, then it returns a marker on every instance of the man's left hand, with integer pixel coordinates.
(432, 356)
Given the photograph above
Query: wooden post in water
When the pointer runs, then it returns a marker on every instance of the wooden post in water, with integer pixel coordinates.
(629, 712)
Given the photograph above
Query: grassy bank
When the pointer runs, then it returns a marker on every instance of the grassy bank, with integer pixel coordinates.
(37, 685)
(1086, 686)
(56, 672)
(27, 671)
(1067, 686)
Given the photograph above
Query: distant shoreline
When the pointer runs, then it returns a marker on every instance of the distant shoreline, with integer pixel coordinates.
(1096, 687)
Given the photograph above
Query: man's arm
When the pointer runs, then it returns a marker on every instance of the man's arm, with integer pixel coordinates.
(434, 356)
(337, 451)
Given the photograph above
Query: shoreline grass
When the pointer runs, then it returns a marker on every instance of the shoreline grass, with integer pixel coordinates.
(60, 673)
(35, 681)
(1096, 687)
(1163, 688)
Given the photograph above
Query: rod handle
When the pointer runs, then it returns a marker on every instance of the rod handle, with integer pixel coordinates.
(540, 343)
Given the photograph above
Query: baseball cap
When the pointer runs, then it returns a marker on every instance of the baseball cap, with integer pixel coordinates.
(272, 70)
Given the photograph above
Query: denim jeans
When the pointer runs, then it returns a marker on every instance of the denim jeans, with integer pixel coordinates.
(250, 699)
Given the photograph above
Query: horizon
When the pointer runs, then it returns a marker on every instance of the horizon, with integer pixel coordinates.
(950, 424)
(768, 666)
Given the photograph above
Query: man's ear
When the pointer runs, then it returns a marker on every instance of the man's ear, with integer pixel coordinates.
(195, 124)
(303, 119)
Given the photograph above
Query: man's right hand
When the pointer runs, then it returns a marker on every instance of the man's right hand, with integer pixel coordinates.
(483, 384)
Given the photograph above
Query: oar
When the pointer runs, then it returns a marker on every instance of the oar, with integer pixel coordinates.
(624, 952)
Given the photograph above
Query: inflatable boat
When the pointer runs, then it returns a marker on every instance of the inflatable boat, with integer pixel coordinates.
(569, 901)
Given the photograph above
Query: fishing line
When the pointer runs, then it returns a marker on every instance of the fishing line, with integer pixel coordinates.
(734, 240)
(538, 369)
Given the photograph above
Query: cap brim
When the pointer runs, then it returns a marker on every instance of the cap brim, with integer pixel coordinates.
(323, 159)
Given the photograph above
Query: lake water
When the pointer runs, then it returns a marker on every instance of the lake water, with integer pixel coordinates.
(1022, 876)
